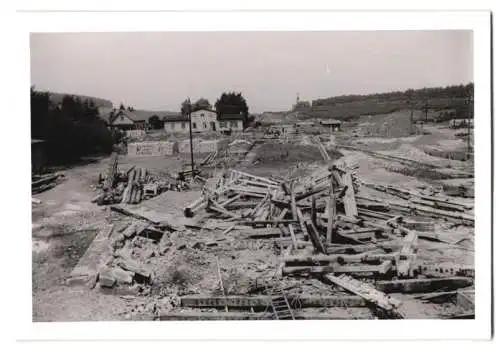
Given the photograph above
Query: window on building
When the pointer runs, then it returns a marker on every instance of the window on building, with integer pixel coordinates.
(222, 124)
(194, 125)
(172, 126)
(183, 125)
(204, 125)
(234, 124)
(202, 114)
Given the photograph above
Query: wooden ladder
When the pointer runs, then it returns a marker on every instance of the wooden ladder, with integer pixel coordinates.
(279, 302)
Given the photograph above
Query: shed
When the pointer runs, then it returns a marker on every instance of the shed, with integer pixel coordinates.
(333, 124)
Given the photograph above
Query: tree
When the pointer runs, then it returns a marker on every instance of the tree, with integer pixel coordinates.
(202, 103)
(232, 103)
(186, 107)
(122, 107)
(155, 122)
(72, 128)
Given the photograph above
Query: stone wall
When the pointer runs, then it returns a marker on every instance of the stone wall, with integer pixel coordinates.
(152, 148)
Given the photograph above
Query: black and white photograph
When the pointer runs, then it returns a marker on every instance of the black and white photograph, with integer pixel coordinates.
(258, 175)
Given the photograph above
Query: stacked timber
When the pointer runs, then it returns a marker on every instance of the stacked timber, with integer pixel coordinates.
(326, 227)
(132, 186)
(44, 183)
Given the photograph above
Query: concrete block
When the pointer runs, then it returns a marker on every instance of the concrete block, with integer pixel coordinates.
(122, 276)
(107, 278)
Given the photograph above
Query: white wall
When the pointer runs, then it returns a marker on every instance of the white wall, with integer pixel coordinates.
(122, 120)
(236, 125)
(201, 120)
(177, 127)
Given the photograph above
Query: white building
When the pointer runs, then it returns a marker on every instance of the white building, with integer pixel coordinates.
(203, 120)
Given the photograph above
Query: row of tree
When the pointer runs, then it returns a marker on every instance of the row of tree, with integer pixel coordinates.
(71, 128)
(425, 94)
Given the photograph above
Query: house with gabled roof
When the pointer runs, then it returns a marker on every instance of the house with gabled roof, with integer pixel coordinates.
(203, 120)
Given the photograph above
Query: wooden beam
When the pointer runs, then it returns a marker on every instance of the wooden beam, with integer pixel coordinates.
(368, 292)
(350, 206)
(348, 258)
(261, 301)
(423, 285)
(332, 210)
(223, 316)
(292, 235)
(314, 235)
(313, 210)
(215, 207)
(382, 268)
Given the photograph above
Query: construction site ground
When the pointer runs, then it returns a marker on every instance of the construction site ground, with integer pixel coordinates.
(184, 262)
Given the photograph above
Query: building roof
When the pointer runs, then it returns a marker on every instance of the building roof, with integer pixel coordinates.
(171, 117)
(204, 109)
(228, 116)
(137, 115)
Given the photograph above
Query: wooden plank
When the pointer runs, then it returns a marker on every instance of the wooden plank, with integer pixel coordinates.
(224, 316)
(423, 285)
(349, 258)
(266, 222)
(313, 210)
(382, 268)
(332, 209)
(230, 200)
(293, 203)
(367, 292)
(349, 198)
(248, 189)
(194, 206)
(111, 172)
(215, 207)
(260, 233)
(445, 269)
(314, 235)
(292, 235)
(259, 206)
(357, 248)
(438, 205)
(261, 301)
(302, 222)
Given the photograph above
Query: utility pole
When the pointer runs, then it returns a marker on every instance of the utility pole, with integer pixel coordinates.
(191, 138)
(410, 104)
(426, 109)
(469, 114)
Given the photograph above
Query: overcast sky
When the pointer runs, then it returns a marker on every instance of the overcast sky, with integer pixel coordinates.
(159, 70)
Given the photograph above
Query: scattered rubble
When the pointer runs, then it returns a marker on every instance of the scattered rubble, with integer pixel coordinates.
(328, 244)
(134, 185)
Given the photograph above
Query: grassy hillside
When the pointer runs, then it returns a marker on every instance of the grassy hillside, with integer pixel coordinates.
(56, 97)
(433, 99)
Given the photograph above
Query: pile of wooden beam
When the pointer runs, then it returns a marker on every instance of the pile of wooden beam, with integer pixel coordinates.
(44, 183)
(132, 186)
(331, 231)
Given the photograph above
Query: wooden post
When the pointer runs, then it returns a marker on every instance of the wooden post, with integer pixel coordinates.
(221, 283)
(313, 210)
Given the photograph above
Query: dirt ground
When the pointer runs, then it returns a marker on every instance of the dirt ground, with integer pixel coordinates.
(66, 222)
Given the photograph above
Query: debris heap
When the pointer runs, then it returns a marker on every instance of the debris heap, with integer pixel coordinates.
(325, 226)
(134, 185)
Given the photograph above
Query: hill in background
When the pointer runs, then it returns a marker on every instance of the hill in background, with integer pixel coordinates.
(434, 100)
(56, 98)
